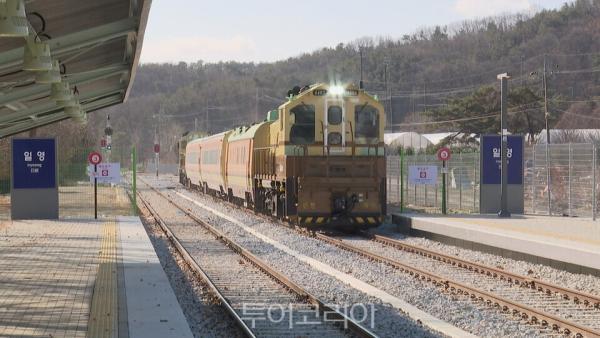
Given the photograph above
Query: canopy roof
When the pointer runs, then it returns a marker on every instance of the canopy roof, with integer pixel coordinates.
(98, 41)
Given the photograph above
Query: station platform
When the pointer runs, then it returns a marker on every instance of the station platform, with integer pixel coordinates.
(84, 278)
(571, 244)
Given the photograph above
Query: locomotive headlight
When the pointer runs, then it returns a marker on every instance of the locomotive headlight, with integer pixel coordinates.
(337, 90)
(334, 139)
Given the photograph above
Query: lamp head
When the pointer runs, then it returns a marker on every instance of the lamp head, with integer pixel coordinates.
(37, 55)
(73, 110)
(61, 92)
(50, 76)
(13, 21)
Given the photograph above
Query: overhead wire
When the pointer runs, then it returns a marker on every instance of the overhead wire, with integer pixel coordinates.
(473, 118)
(578, 115)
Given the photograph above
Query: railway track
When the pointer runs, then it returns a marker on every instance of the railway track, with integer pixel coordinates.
(559, 310)
(261, 301)
(564, 310)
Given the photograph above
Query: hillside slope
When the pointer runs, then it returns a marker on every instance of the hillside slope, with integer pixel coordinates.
(425, 69)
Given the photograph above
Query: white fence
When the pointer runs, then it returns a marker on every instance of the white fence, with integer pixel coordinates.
(571, 170)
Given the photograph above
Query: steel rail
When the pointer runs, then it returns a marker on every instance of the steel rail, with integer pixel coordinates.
(279, 277)
(196, 268)
(578, 297)
(537, 316)
(533, 315)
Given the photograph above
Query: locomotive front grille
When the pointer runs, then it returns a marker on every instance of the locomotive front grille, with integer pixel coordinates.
(337, 168)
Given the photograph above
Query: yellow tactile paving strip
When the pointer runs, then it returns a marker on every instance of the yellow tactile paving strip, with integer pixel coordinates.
(104, 312)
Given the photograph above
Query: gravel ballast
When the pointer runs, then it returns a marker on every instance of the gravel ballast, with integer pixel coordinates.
(204, 314)
(580, 282)
(388, 322)
(472, 317)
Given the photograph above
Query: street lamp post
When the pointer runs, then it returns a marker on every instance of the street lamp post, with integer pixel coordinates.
(504, 138)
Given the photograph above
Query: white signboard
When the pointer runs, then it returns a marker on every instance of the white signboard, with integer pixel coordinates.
(106, 173)
(423, 174)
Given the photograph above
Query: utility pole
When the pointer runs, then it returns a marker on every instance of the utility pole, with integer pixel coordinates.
(108, 137)
(413, 98)
(256, 106)
(206, 115)
(387, 92)
(522, 66)
(504, 138)
(157, 139)
(388, 89)
(546, 115)
(195, 124)
(361, 83)
(424, 102)
(156, 145)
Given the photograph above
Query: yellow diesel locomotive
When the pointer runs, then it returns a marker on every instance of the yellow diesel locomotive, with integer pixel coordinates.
(318, 160)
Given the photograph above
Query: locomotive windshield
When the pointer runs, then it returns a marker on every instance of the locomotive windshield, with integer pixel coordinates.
(367, 123)
(334, 115)
(303, 130)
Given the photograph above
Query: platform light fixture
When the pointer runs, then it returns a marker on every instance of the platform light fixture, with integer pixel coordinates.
(37, 55)
(61, 92)
(13, 20)
(50, 76)
(73, 109)
(82, 118)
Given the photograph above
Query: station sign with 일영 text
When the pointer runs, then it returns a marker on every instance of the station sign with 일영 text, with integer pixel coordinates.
(34, 179)
(34, 163)
(491, 160)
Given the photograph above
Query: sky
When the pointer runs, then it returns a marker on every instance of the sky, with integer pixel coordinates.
(271, 30)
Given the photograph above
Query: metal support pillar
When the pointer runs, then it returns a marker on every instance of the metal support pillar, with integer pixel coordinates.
(401, 180)
(134, 179)
(475, 176)
(504, 135)
(548, 179)
(460, 181)
(594, 165)
(570, 175)
(533, 180)
(444, 210)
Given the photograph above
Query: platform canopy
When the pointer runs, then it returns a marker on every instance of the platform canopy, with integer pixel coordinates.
(98, 45)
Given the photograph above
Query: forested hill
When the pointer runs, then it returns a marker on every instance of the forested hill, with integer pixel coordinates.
(425, 69)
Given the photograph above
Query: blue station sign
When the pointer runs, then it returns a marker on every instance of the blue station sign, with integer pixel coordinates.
(491, 165)
(34, 163)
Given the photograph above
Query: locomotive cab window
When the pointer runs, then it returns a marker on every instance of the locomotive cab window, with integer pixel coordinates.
(334, 115)
(367, 123)
(303, 129)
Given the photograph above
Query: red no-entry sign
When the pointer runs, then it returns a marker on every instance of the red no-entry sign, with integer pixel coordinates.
(443, 154)
(94, 158)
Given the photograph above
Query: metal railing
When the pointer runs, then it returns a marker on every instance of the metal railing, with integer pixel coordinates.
(571, 170)
(462, 185)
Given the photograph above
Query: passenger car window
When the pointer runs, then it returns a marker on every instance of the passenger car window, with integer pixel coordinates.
(367, 123)
(303, 130)
(334, 115)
